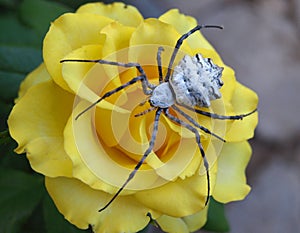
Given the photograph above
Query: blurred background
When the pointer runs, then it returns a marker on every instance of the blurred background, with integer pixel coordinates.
(260, 41)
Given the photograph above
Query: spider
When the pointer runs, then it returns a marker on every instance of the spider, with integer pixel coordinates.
(195, 81)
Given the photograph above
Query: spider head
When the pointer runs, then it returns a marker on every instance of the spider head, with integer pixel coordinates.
(162, 96)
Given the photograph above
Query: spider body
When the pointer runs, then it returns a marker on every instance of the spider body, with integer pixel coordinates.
(162, 96)
(195, 81)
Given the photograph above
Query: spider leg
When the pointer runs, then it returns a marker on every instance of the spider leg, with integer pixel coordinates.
(109, 93)
(194, 130)
(191, 120)
(145, 111)
(158, 58)
(217, 116)
(179, 43)
(139, 164)
(145, 83)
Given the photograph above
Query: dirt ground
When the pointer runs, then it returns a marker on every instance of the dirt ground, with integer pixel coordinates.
(261, 42)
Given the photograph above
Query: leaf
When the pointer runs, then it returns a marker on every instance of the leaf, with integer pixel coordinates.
(216, 219)
(20, 194)
(8, 158)
(146, 229)
(9, 85)
(39, 13)
(8, 3)
(17, 34)
(4, 111)
(54, 221)
(19, 59)
(16, 62)
(35, 223)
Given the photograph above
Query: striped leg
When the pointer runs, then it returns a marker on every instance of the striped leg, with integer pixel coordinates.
(194, 130)
(217, 116)
(158, 58)
(191, 120)
(179, 43)
(139, 164)
(109, 93)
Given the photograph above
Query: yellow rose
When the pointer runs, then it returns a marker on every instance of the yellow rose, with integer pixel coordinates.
(85, 161)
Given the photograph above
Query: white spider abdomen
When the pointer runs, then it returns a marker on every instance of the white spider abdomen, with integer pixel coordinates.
(196, 81)
(162, 96)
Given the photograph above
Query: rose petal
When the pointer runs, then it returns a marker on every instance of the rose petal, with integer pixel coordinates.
(37, 122)
(228, 77)
(117, 37)
(80, 204)
(244, 101)
(72, 31)
(179, 198)
(231, 180)
(183, 24)
(171, 224)
(74, 139)
(197, 220)
(89, 80)
(187, 224)
(38, 75)
(125, 14)
(145, 40)
(74, 72)
(115, 48)
(102, 167)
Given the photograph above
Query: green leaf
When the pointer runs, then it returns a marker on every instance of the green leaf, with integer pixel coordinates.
(216, 219)
(19, 59)
(9, 85)
(39, 13)
(17, 34)
(35, 223)
(16, 62)
(8, 158)
(146, 229)
(4, 111)
(55, 222)
(4, 137)
(8, 3)
(20, 194)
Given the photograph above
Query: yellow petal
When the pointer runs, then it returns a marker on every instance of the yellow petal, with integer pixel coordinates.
(243, 101)
(171, 224)
(125, 14)
(197, 220)
(67, 33)
(181, 197)
(227, 90)
(145, 41)
(80, 204)
(74, 73)
(98, 165)
(187, 224)
(117, 37)
(89, 80)
(115, 48)
(78, 139)
(231, 180)
(104, 77)
(37, 122)
(183, 24)
(38, 75)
